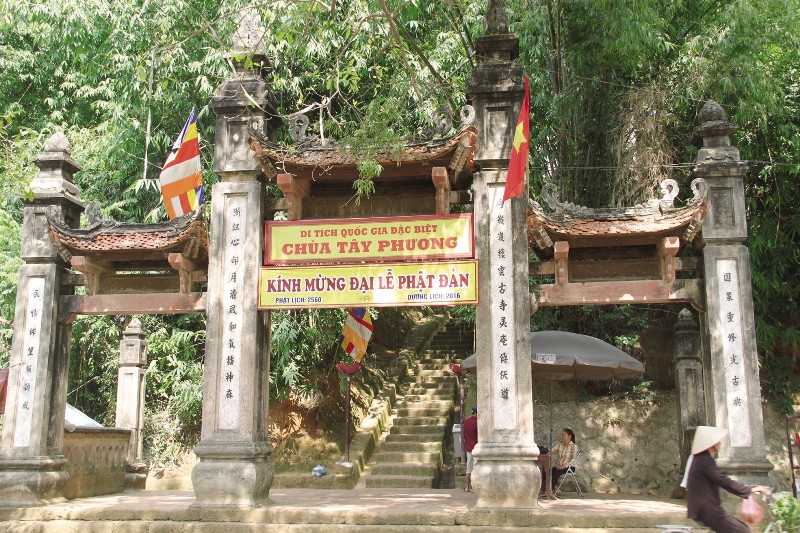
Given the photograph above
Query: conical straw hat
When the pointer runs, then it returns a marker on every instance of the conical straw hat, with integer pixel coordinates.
(707, 436)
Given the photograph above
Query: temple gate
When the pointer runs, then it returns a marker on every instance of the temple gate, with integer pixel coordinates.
(316, 180)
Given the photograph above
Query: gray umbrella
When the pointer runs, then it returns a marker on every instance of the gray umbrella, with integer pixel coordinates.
(561, 355)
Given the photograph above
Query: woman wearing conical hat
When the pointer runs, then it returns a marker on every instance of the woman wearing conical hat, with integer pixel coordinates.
(703, 479)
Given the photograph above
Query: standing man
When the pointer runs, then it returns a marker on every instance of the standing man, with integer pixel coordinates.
(470, 440)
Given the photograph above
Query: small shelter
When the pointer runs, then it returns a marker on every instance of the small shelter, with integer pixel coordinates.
(590, 251)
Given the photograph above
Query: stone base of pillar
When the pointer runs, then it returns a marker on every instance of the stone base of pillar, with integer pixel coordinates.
(135, 476)
(32, 481)
(232, 474)
(507, 483)
(755, 472)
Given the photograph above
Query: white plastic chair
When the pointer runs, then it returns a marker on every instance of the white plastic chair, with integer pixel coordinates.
(571, 474)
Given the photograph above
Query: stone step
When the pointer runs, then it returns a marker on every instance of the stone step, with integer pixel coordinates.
(439, 361)
(421, 421)
(443, 396)
(444, 351)
(390, 446)
(433, 372)
(444, 384)
(417, 430)
(404, 469)
(453, 334)
(432, 438)
(449, 348)
(425, 401)
(447, 351)
(408, 457)
(434, 379)
(423, 410)
(433, 393)
(430, 395)
(443, 367)
(440, 354)
(454, 337)
(400, 482)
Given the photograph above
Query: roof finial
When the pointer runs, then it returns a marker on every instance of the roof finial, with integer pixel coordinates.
(496, 21)
(249, 36)
(57, 142)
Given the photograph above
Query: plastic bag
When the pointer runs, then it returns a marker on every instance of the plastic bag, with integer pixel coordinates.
(319, 471)
(750, 511)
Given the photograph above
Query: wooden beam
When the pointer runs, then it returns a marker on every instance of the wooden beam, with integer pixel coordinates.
(561, 255)
(70, 279)
(667, 250)
(140, 284)
(93, 270)
(130, 304)
(625, 292)
(442, 184)
(181, 262)
(295, 189)
(186, 269)
(87, 265)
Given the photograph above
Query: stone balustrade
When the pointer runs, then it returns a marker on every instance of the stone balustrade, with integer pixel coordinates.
(95, 461)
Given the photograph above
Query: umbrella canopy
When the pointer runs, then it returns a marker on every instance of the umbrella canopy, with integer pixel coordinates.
(561, 355)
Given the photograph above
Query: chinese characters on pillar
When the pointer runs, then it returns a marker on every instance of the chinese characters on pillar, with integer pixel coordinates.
(232, 309)
(730, 319)
(504, 379)
(32, 333)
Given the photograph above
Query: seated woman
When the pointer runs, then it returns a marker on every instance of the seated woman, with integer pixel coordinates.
(566, 450)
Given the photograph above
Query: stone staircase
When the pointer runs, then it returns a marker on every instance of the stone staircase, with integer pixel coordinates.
(411, 454)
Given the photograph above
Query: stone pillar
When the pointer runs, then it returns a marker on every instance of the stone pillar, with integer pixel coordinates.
(31, 458)
(688, 374)
(735, 402)
(131, 386)
(234, 449)
(506, 475)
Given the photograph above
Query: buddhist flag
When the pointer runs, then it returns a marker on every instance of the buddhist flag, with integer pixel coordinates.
(515, 181)
(181, 178)
(357, 331)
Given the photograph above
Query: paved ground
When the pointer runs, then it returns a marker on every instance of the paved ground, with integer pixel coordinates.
(367, 510)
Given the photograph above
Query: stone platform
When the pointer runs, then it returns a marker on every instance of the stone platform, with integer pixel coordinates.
(333, 511)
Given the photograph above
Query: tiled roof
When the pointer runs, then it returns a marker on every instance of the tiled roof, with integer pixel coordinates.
(326, 157)
(306, 156)
(108, 240)
(583, 227)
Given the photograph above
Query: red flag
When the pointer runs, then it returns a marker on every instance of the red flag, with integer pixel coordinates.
(515, 181)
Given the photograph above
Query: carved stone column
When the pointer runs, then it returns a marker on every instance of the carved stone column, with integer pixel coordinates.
(506, 475)
(735, 402)
(688, 374)
(31, 459)
(131, 386)
(234, 449)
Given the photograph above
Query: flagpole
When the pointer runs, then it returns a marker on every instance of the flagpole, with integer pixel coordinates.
(346, 413)
(347, 422)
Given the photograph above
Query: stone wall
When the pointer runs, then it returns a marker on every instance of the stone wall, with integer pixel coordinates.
(631, 447)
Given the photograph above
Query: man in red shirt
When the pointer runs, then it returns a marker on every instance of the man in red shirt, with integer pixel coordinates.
(470, 440)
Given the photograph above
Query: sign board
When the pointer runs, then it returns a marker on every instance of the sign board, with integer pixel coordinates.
(369, 239)
(369, 285)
